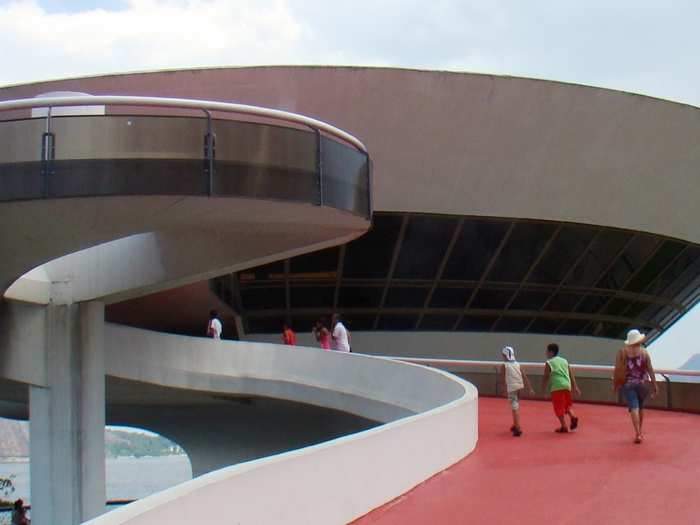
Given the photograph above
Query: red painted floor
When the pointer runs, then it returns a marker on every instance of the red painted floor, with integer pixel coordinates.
(593, 476)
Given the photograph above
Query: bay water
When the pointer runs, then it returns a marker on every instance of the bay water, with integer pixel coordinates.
(127, 478)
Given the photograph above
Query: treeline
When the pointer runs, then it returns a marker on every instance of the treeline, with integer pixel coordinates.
(135, 444)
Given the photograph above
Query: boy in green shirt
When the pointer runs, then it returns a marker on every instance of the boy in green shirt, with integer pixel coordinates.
(559, 378)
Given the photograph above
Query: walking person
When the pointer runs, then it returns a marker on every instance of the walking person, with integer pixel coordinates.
(340, 334)
(515, 381)
(322, 335)
(289, 338)
(19, 514)
(560, 379)
(632, 370)
(214, 325)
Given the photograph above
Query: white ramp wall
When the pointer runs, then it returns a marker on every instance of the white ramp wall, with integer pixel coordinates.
(330, 483)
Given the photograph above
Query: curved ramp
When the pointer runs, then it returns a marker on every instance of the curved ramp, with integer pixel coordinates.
(116, 206)
(429, 415)
(596, 475)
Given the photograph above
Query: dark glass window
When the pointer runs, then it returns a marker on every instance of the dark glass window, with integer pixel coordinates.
(520, 251)
(358, 323)
(563, 302)
(640, 310)
(325, 261)
(492, 299)
(655, 266)
(304, 323)
(628, 262)
(651, 313)
(616, 307)
(475, 247)
(369, 256)
(612, 330)
(476, 323)
(589, 259)
(450, 297)
(264, 298)
(265, 325)
(512, 324)
(529, 300)
(311, 296)
(440, 323)
(679, 274)
(360, 296)
(572, 326)
(268, 272)
(424, 245)
(397, 322)
(405, 297)
(543, 325)
(564, 251)
(591, 304)
(605, 248)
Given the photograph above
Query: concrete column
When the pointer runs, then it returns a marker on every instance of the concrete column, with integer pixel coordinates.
(67, 419)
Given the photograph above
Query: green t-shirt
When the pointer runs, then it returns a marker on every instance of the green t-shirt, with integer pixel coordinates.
(559, 374)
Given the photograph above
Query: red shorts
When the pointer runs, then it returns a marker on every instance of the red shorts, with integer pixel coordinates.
(561, 400)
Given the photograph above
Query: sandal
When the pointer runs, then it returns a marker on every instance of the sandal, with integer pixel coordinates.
(638, 440)
(562, 430)
(574, 423)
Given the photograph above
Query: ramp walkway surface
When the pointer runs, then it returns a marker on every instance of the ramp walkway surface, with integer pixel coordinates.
(594, 475)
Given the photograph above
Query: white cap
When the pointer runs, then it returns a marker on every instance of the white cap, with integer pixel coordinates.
(509, 353)
(634, 337)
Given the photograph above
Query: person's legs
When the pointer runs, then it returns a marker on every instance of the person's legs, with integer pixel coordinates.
(642, 393)
(561, 405)
(634, 414)
(630, 393)
(515, 409)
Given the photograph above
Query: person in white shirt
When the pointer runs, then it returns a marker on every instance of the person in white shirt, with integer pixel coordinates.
(214, 326)
(515, 381)
(341, 336)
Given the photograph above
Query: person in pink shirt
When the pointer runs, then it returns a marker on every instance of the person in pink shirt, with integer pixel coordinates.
(322, 335)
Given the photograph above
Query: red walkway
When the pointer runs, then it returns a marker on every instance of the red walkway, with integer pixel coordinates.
(594, 476)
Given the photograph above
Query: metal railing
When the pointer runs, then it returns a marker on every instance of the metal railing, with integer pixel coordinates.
(595, 381)
(439, 362)
(344, 184)
(206, 106)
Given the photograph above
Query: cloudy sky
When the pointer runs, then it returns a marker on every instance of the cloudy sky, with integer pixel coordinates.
(634, 45)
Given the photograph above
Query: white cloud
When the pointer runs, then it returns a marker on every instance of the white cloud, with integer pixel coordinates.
(634, 45)
(147, 34)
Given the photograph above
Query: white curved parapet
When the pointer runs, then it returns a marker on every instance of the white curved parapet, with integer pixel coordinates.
(330, 483)
(183, 103)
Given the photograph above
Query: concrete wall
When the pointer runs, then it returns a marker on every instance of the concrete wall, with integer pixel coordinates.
(122, 247)
(23, 342)
(368, 387)
(472, 144)
(330, 483)
(233, 430)
(470, 345)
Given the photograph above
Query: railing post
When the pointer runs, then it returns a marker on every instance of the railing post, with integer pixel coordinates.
(319, 167)
(209, 154)
(48, 154)
(669, 400)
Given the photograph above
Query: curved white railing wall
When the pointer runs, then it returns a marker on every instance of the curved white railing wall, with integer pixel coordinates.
(333, 482)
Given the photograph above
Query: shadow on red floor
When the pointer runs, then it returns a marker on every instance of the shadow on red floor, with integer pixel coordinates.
(593, 476)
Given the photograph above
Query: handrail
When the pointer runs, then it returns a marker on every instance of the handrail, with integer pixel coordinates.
(490, 364)
(184, 103)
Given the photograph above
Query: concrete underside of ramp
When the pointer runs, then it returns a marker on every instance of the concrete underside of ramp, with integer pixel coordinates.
(123, 247)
